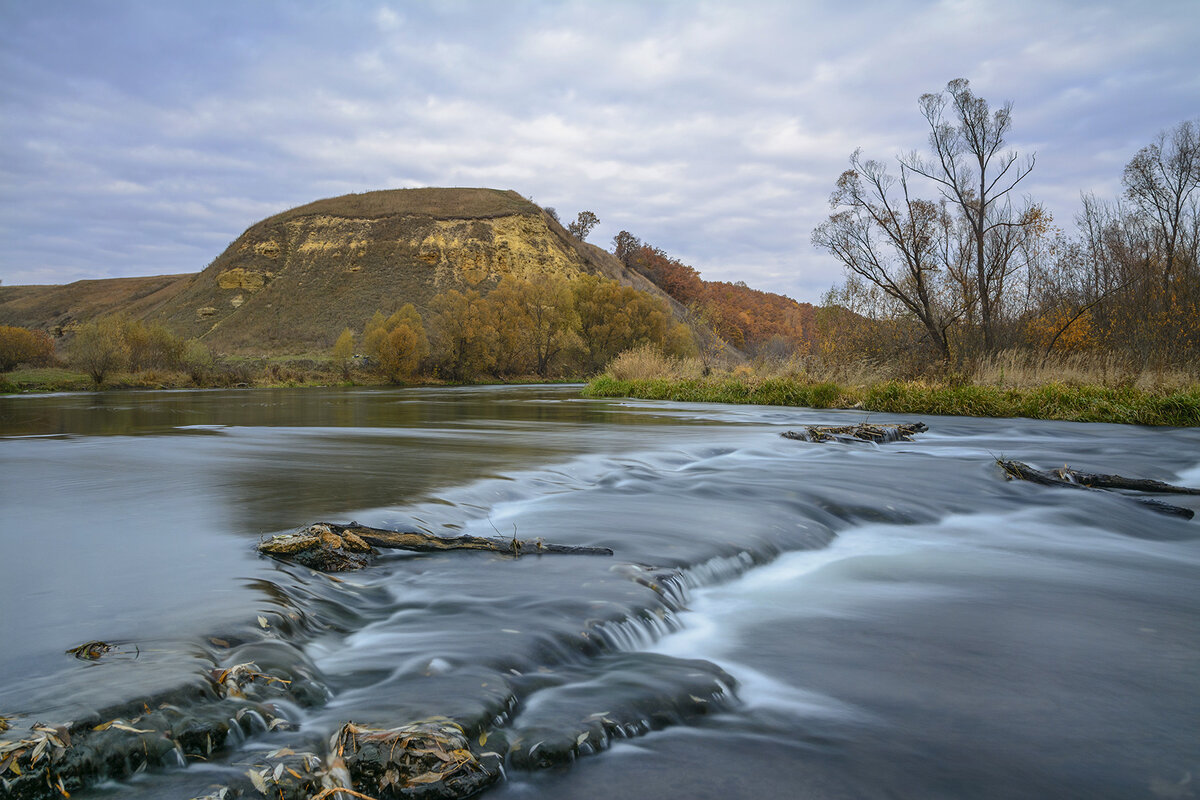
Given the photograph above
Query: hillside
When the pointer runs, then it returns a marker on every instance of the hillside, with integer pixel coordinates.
(290, 283)
(757, 322)
(52, 308)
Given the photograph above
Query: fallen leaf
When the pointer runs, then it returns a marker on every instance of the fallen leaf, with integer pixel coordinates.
(425, 777)
(263, 621)
(259, 782)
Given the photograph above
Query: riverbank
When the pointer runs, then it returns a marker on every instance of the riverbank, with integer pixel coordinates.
(267, 375)
(1069, 403)
(1173, 406)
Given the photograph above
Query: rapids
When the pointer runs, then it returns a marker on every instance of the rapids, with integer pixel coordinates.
(780, 618)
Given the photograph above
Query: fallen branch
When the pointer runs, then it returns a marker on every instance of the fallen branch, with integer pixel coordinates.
(427, 542)
(867, 432)
(336, 548)
(1022, 471)
(1099, 481)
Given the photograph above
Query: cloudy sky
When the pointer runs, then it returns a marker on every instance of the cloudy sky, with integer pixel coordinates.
(140, 138)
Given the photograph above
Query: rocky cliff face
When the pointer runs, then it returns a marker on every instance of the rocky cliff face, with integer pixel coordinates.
(292, 282)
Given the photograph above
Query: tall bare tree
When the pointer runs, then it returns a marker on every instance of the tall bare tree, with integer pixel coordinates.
(895, 241)
(974, 172)
(1161, 181)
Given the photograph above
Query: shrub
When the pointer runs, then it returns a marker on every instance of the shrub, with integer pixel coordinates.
(99, 348)
(23, 346)
(197, 360)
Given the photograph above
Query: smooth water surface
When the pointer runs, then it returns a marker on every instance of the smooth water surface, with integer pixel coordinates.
(891, 621)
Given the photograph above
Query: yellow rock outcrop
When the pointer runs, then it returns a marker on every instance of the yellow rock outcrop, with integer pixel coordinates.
(238, 278)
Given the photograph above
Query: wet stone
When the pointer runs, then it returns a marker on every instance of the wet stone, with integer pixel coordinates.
(51, 762)
(619, 696)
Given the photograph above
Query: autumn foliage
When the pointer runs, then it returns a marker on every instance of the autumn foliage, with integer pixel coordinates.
(23, 346)
(546, 326)
(749, 319)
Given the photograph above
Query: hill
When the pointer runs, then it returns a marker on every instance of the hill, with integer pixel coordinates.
(757, 322)
(54, 307)
(290, 283)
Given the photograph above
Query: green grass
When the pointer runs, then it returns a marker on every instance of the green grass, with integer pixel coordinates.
(43, 379)
(1052, 401)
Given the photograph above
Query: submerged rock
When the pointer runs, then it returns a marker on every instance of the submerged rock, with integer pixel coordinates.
(865, 432)
(617, 696)
(54, 761)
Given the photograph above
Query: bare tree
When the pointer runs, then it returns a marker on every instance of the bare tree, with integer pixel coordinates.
(968, 165)
(894, 242)
(1160, 181)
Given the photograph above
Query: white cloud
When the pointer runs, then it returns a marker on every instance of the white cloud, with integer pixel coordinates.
(712, 130)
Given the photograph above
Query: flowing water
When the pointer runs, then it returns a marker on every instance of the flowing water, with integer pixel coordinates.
(780, 619)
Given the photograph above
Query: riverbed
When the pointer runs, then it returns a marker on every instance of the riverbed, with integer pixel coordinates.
(779, 618)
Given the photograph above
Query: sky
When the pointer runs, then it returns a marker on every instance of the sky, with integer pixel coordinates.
(141, 138)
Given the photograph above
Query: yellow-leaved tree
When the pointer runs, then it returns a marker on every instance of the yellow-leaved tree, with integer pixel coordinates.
(22, 345)
(536, 323)
(614, 318)
(343, 352)
(463, 329)
(398, 343)
(99, 348)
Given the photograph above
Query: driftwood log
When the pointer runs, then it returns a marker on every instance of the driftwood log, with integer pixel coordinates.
(330, 547)
(1022, 471)
(866, 432)
(1096, 480)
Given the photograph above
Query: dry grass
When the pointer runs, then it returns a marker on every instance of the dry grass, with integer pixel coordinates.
(1023, 369)
(647, 361)
(431, 202)
(861, 372)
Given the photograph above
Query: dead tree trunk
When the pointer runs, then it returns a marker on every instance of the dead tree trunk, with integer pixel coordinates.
(1018, 469)
(1096, 480)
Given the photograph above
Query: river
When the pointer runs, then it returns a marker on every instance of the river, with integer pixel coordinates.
(779, 618)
